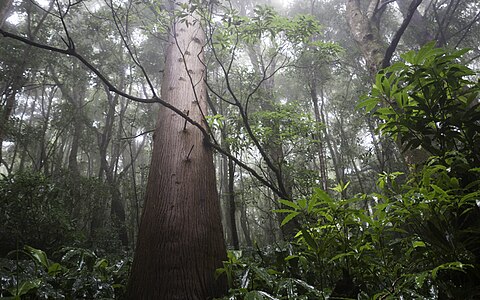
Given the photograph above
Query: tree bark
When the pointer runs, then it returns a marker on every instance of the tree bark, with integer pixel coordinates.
(322, 157)
(180, 242)
(4, 8)
(366, 34)
(232, 204)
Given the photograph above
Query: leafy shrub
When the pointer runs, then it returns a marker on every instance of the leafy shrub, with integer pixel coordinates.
(32, 212)
(409, 245)
(48, 212)
(80, 274)
(429, 100)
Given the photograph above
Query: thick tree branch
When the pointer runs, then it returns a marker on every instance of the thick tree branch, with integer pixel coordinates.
(398, 35)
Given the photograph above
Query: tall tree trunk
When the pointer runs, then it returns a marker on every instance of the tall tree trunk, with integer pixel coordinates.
(339, 170)
(232, 206)
(104, 138)
(243, 213)
(180, 242)
(227, 184)
(322, 157)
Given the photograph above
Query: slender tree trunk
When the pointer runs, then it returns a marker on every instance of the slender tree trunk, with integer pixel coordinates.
(25, 150)
(243, 214)
(5, 113)
(228, 185)
(330, 144)
(180, 241)
(232, 206)
(321, 149)
(117, 211)
(43, 159)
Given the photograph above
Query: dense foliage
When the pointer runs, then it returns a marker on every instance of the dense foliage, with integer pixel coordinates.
(79, 274)
(325, 193)
(415, 240)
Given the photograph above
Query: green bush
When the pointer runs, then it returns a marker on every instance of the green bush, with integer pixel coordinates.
(32, 211)
(411, 245)
(80, 274)
(49, 212)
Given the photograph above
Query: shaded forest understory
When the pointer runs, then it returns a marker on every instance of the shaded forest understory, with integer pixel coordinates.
(337, 143)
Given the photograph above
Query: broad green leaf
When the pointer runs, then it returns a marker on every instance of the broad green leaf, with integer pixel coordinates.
(290, 204)
(439, 190)
(289, 217)
(54, 269)
(418, 244)
(326, 215)
(302, 203)
(38, 255)
(322, 195)
(101, 263)
(338, 256)
(25, 287)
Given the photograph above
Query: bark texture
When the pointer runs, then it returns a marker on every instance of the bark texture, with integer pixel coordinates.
(364, 29)
(180, 242)
(5, 6)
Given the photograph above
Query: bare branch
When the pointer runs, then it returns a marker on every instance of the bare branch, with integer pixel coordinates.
(140, 134)
(131, 52)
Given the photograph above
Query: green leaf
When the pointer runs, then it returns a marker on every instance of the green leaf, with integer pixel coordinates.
(454, 266)
(417, 244)
(309, 239)
(25, 287)
(326, 215)
(289, 217)
(420, 279)
(369, 104)
(302, 203)
(290, 204)
(38, 255)
(55, 269)
(281, 211)
(322, 195)
(264, 275)
(338, 256)
(290, 257)
(101, 264)
(258, 295)
(340, 187)
(439, 190)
